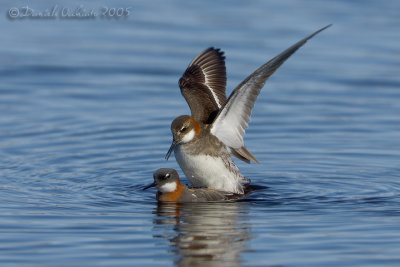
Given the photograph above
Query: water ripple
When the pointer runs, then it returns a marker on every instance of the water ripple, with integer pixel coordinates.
(86, 108)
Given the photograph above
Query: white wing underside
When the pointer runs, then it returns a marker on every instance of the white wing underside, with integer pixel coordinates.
(230, 125)
(231, 122)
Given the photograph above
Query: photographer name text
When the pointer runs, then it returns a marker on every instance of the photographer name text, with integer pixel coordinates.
(58, 12)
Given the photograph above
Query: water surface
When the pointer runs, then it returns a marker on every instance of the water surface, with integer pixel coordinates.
(85, 112)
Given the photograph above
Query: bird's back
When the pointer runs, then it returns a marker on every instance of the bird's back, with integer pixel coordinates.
(207, 195)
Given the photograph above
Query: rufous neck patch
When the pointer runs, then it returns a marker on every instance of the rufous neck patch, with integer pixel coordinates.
(196, 125)
(171, 196)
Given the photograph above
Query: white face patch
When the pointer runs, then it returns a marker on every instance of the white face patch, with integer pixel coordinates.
(167, 187)
(189, 136)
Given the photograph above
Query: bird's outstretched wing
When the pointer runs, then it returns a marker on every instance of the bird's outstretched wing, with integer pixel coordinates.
(232, 120)
(203, 85)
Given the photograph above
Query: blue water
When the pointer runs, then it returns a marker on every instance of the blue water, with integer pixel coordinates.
(85, 109)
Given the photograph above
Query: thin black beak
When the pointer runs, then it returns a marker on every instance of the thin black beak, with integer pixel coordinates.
(170, 149)
(150, 185)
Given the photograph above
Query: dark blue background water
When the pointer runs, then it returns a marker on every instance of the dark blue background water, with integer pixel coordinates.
(85, 109)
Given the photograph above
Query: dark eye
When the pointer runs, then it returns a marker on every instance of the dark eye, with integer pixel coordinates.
(184, 129)
(167, 175)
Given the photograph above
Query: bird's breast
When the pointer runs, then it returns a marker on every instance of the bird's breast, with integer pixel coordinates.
(210, 171)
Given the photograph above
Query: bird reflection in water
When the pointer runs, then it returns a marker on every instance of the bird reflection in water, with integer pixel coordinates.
(205, 234)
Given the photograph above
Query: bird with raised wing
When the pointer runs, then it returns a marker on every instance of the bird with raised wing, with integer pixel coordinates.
(204, 142)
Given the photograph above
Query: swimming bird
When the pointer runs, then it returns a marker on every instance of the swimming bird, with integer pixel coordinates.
(204, 142)
(170, 189)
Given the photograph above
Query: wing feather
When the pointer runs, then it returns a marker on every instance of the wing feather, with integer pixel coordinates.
(203, 85)
(232, 120)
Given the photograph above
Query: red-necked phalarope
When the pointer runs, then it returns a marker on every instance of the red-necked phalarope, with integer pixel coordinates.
(204, 142)
(170, 189)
